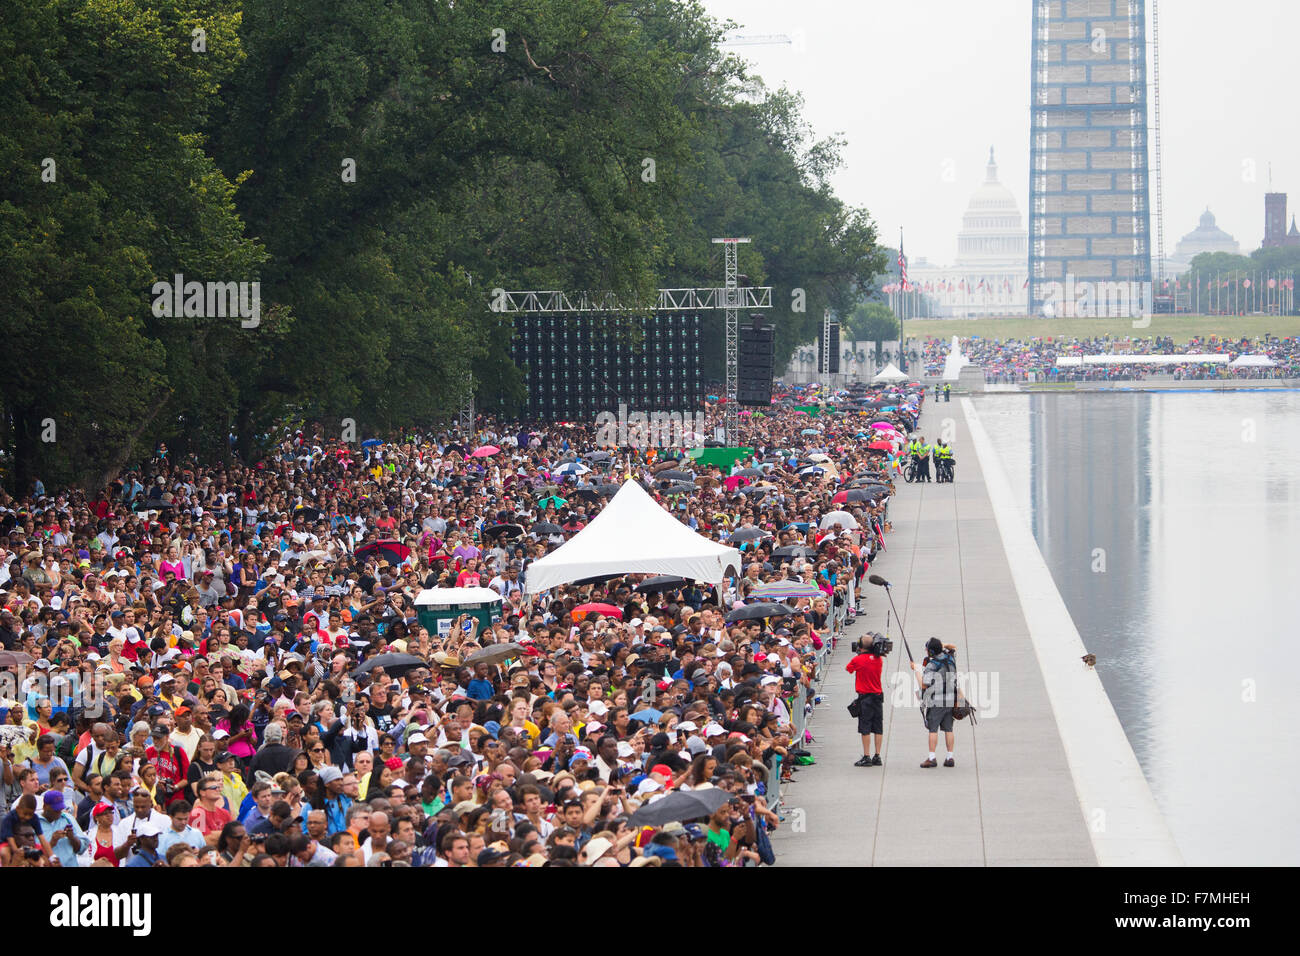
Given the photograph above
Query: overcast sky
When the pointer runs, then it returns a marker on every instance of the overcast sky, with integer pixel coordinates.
(922, 88)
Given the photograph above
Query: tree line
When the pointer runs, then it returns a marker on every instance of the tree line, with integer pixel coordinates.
(372, 172)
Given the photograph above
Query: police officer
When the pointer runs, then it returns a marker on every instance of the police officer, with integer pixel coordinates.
(923, 458)
(943, 461)
(947, 392)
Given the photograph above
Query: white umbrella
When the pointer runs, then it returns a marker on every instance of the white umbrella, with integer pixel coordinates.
(841, 518)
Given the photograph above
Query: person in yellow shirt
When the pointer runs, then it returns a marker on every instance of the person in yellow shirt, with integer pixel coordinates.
(233, 788)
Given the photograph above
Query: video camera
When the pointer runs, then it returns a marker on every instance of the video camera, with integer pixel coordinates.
(873, 643)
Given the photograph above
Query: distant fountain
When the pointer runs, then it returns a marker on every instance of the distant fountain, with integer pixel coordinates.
(953, 365)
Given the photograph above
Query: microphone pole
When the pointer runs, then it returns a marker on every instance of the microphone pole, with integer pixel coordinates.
(877, 580)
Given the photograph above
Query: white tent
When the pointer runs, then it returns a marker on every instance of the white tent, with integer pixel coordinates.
(890, 373)
(1252, 361)
(441, 597)
(633, 535)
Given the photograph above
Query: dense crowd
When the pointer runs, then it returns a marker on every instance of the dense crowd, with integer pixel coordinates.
(198, 661)
(1012, 360)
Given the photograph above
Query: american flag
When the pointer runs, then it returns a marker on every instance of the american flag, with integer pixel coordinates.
(902, 266)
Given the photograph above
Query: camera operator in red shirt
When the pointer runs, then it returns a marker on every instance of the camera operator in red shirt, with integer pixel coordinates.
(865, 667)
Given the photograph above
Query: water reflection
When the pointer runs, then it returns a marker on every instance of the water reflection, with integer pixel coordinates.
(1170, 524)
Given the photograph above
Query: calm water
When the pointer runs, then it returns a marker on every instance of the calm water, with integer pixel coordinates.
(1171, 524)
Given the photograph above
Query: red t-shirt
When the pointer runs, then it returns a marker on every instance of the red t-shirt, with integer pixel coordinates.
(206, 821)
(865, 669)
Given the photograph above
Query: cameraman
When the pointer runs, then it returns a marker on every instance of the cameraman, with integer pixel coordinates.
(865, 668)
(938, 683)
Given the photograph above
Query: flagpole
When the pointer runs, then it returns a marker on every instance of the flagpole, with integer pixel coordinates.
(902, 273)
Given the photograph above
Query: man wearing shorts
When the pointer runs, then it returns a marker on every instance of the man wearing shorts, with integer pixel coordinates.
(938, 683)
(865, 668)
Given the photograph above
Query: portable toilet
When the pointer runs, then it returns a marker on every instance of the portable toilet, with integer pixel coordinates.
(438, 608)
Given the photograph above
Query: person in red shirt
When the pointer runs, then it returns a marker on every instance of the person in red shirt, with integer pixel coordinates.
(208, 815)
(172, 764)
(865, 668)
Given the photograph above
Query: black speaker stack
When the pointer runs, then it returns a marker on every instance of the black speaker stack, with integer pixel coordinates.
(757, 346)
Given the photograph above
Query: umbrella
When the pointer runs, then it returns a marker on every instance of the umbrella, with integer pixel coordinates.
(15, 659)
(753, 612)
(494, 653)
(371, 443)
(662, 582)
(598, 456)
(749, 534)
(609, 488)
(810, 431)
(509, 530)
(841, 518)
(609, 610)
(678, 806)
(554, 501)
(667, 463)
(819, 457)
(749, 473)
(545, 527)
(786, 591)
(649, 715)
(674, 474)
(882, 445)
(871, 493)
(308, 513)
(793, 551)
(812, 470)
(394, 551)
(586, 493)
(484, 451)
(572, 468)
(454, 447)
(599, 578)
(395, 664)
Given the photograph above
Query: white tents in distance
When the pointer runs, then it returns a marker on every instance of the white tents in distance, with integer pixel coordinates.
(633, 535)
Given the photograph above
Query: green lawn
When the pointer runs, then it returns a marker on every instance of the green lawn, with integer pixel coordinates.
(1179, 327)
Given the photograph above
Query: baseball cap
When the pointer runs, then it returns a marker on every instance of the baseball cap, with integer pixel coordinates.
(54, 800)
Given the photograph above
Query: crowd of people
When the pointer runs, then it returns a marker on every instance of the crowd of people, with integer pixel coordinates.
(1012, 361)
(197, 661)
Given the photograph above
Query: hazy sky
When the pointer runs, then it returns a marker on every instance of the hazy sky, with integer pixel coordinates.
(922, 88)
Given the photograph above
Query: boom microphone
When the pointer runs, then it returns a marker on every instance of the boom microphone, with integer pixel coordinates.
(878, 580)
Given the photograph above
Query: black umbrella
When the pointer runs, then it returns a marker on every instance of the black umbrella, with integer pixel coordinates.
(494, 653)
(586, 493)
(395, 664)
(866, 494)
(793, 551)
(508, 530)
(751, 473)
(609, 488)
(674, 474)
(599, 578)
(546, 527)
(598, 456)
(681, 488)
(394, 551)
(307, 513)
(679, 806)
(752, 612)
(663, 582)
(456, 448)
(749, 534)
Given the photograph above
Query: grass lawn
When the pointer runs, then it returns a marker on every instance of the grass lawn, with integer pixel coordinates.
(1179, 327)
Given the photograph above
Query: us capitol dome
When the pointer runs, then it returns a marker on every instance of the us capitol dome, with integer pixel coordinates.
(992, 266)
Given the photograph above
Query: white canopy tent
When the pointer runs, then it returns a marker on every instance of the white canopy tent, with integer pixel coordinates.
(633, 535)
(890, 373)
(1252, 361)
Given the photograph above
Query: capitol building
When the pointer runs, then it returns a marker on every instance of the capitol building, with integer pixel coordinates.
(992, 267)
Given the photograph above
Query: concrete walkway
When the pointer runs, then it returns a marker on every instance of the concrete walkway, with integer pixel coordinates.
(1011, 799)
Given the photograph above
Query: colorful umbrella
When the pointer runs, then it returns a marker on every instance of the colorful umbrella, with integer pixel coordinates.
(483, 451)
(609, 610)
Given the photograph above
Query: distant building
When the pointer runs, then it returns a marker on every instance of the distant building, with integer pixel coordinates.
(1275, 231)
(1206, 237)
(988, 277)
